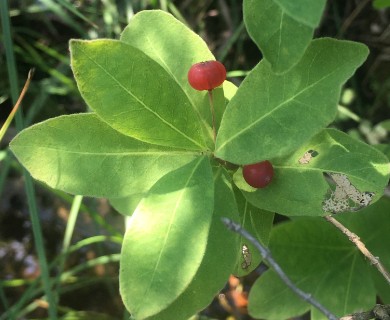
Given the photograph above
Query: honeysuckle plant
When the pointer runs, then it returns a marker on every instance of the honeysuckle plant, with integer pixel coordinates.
(147, 145)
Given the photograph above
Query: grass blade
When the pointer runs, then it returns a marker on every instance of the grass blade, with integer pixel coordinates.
(37, 231)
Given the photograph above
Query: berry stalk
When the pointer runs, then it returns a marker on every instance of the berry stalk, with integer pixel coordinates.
(210, 92)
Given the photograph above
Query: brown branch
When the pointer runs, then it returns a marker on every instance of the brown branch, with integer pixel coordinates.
(266, 254)
(360, 245)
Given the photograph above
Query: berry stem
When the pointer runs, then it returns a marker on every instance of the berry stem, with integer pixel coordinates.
(210, 92)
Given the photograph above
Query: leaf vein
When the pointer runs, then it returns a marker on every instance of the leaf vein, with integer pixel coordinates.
(276, 108)
(170, 125)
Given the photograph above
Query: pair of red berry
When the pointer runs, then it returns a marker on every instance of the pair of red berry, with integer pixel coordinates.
(207, 76)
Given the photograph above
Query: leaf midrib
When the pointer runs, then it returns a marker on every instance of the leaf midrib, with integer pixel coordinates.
(293, 17)
(203, 120)
(276, 108)
(171, 223)
(126, 153)
(141, 103)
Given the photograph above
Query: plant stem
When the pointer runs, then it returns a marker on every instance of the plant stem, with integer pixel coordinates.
(266, 254)
(360, 245)
(210, 92)
(74, 212)
(15, 108)
(378, 312)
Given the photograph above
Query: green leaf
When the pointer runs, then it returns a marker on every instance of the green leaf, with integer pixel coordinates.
(382, 287)
(133, 94)
(220, 101)
(166, 239)
(215, 268)
(127, 205)
(176, 48)
(300, 188)
(259, 224)
(322, 261)
(81, 154)
(282, 29)
(381, 4)
(272, 115)
(229, 90)
(384, 148)
(306, 11)
(85, 315)
(268, 293)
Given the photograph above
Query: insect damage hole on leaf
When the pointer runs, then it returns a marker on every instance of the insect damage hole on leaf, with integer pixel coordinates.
(247, 257)
(306, 158)
(343, 195)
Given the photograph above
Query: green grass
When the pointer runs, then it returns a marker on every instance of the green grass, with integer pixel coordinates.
(29, 186)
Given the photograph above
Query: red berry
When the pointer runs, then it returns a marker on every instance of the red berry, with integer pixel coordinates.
(206, 75)
(258, 175)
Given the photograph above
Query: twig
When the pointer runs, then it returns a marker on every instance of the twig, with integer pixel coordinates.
(15, 108)
(381, 312)
(360, 245)
(266, 254)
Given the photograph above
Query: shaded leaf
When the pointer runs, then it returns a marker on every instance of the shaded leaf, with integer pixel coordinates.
(272, 115)
(81, 154)
(282, 29)
(85, 315)
(166, 239)
(127, 205)
(305, 11)
(218, 261)
(322, 261)
(133, 93)
(301, 189)
(259, 224)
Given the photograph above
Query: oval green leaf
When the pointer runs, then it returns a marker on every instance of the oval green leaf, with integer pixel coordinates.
(176, 48)
(259, 224)
(134, 94)
(127, 205)
(81, 154)
(322, 261)
(306, 11)
(166, 239)
(218, 261)
(282, 29)
(272, 115)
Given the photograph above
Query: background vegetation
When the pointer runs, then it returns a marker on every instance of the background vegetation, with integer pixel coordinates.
(82, 236)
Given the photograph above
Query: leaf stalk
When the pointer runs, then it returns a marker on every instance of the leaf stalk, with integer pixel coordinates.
(210, 93)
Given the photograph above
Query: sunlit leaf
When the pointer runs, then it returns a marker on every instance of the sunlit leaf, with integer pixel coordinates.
(166, 239)
(133, 93)
(282, 29)
(176, 48)
(218, 261)
(81, 154)
(272, 115)
(127, 205)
